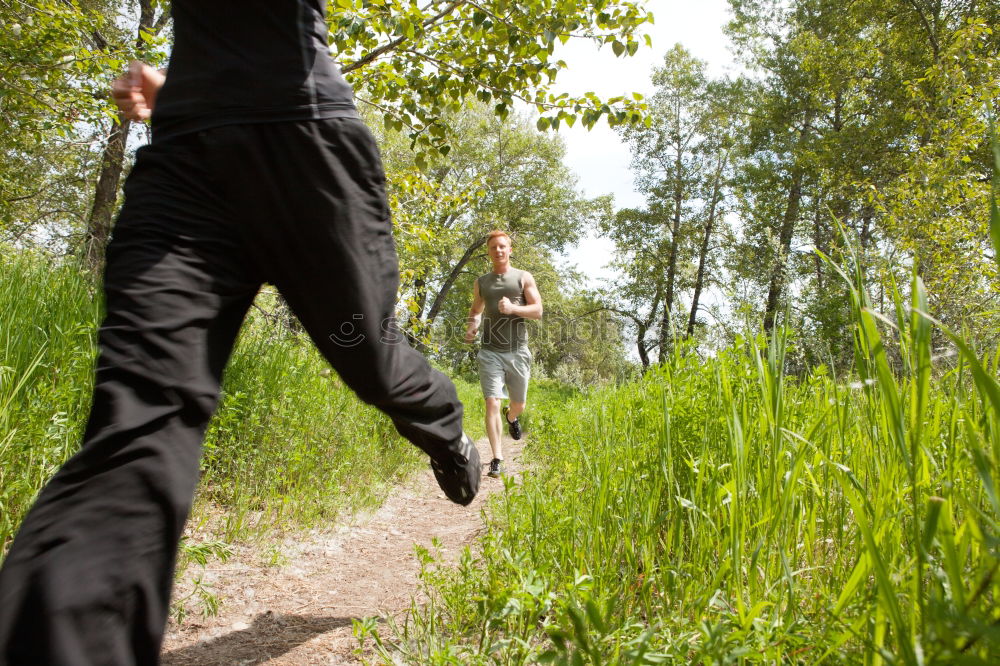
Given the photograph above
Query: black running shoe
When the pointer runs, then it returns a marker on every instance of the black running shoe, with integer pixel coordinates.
(496, 468)
(458, 471)
(514, 427)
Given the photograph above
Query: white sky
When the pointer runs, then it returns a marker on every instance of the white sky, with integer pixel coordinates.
(599, 158)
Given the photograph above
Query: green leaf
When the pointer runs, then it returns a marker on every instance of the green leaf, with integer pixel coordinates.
(934, 505)
(594, 613)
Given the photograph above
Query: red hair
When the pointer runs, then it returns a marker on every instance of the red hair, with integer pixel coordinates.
(496, 233)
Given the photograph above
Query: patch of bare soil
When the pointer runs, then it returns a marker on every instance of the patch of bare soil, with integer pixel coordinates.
(300, 613)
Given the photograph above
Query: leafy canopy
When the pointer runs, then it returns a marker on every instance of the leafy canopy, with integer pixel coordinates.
(416, 62)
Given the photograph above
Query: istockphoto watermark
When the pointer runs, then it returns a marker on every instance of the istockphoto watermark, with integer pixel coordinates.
(356, 330)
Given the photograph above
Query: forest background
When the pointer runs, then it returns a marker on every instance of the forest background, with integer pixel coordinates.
(872, 118)
(855, 141)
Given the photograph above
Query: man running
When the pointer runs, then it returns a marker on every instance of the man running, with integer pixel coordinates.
(260, 170)
(501, 301)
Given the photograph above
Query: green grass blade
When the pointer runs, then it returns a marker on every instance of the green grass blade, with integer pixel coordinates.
(994, 210)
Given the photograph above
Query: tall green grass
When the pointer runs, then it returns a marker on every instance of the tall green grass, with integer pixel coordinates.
(721, 512)
(47, 318)
(290, 445)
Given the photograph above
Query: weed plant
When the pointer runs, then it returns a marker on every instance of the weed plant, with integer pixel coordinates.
(722, 512)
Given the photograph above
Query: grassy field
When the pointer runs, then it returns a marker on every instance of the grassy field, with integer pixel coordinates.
(721, 512)
(290, 446)
(716, 511)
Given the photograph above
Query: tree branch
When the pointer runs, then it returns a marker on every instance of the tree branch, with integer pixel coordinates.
(367, 59)
(927, 27)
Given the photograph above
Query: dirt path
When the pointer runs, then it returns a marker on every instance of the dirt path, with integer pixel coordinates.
(299, 613)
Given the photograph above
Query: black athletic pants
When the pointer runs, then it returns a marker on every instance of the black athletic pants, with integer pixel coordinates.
(207, 219)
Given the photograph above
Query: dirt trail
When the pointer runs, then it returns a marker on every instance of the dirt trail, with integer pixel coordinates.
(299, 613)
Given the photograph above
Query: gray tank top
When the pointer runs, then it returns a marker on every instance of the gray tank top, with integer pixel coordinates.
(500, 332)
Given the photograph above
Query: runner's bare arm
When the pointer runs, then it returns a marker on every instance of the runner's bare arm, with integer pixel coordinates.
(475, 313)
(532, 309)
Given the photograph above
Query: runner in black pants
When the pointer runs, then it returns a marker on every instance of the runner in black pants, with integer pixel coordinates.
(259, 171)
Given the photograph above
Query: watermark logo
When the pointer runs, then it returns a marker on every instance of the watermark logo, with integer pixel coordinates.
(355, 331)
(349, 334)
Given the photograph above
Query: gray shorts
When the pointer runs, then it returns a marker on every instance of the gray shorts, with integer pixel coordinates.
(500, 372)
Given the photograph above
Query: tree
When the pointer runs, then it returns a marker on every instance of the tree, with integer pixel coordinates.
(415, 65)
(850, 114)
(412, 65)
(501, 174)
(937, 209)
(713, 213)
(580, 341)
(53, 97)
(48, 99)
(680, 160)
(637, 292)
(779, 150)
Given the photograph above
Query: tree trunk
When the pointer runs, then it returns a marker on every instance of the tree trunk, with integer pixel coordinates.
(106, 193)
(866, 227)
(113, 158)
(640, 345)
(672, 258)
(779, 272)
(817, 244)
(703, 252)
(420, 298)
(420, 291)
(450, 280)
(643, 328)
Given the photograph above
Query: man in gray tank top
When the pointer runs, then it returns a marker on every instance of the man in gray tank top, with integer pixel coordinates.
(501, 301)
